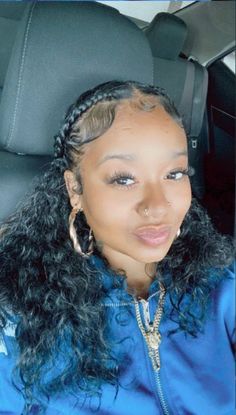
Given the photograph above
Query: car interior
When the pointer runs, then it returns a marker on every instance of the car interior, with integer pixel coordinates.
(50, 52)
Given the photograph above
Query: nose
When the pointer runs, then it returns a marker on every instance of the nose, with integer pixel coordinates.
(154, 203)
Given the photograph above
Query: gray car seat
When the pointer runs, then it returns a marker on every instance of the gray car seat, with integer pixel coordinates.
(61, 49)
(184, 80)
(10, 15)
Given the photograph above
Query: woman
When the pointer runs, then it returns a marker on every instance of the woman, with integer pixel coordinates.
(131, 314)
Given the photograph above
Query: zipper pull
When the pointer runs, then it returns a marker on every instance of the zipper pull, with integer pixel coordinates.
(146, 313)
(154, 339)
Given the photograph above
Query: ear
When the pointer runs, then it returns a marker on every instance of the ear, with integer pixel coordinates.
(72, 186)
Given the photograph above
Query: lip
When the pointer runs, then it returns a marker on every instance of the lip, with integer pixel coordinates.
(153, 235)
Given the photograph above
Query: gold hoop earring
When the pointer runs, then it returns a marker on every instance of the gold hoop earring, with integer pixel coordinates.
(73, 235)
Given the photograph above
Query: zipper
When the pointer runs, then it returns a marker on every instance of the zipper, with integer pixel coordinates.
(160, 393)
(116, 304)
(146, 313)
(152, 339)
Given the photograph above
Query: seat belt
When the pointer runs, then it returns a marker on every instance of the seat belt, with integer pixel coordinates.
(199, 102)
(193, 105)
(194, 99)
(186, 104)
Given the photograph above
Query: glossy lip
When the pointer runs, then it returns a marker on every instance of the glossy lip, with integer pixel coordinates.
(153, 235)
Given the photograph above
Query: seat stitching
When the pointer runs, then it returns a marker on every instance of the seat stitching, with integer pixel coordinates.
(20, 77)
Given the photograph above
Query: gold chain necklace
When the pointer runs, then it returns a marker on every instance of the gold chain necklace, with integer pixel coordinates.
(151, 334)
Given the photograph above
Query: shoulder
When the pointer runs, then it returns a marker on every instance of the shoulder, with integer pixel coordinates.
(224, 289)
(7, 335)
(11, 399)
(223, 301)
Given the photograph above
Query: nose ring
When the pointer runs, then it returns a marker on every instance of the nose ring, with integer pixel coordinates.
(146, 212)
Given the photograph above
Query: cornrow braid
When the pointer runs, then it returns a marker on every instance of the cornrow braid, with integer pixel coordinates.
(108, 91)
(82, 105)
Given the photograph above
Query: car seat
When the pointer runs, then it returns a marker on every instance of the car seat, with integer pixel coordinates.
(61, 49)
(10, 15)
(185, 81)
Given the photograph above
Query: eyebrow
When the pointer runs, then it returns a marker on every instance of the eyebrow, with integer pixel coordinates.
(132, 157)
(127, 157)
(176, 154)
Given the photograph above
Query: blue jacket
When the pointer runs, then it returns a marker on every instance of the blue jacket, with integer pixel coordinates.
(196, 376)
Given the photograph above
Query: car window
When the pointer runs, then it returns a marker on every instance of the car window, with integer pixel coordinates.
(146, 10)
(229, 61)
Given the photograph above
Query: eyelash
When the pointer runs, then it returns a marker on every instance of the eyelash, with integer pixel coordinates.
(186, 172)
(125, 175)
(119, 176)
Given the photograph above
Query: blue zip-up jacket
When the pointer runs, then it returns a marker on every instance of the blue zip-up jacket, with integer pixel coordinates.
(196, 376)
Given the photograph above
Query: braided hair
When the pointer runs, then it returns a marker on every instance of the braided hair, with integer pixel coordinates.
(113, 91)
(55, 294)
(83, 104)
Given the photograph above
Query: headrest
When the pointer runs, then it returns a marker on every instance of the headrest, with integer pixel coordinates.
(166, 34)
(12, 10)
(61, 50)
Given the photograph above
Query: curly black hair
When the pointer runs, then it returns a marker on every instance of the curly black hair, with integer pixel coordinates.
(55, 294)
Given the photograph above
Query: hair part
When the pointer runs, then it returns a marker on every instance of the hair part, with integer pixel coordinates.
(94, 112)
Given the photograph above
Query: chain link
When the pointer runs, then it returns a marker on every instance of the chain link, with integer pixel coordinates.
(152, 335)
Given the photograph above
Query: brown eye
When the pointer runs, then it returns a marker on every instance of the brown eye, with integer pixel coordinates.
(122, 179)
(180, 173)
(176, 175)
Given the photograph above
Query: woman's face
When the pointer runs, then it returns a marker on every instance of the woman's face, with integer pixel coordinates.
(135, 188)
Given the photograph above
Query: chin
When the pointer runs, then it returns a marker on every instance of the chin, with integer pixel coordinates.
(149, 256)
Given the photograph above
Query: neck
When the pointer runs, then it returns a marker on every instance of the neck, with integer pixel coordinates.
(139, 275)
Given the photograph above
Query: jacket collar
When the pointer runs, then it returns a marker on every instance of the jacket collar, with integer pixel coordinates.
(117, 283)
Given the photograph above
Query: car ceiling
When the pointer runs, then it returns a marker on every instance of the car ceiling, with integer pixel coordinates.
(211, 24)
(146, 10)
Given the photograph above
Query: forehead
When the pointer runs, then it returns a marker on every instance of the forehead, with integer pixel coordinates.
(138, 132)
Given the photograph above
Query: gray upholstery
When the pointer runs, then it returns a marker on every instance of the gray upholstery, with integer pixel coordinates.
(171, 75)
(62, 49)
(17, 173)
(167, 34)
(10, 14)
(185, 82)
(171, 30)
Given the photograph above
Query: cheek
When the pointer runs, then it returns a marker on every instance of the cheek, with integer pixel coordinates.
(183, 200)
(103, 210)
(179, 196)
